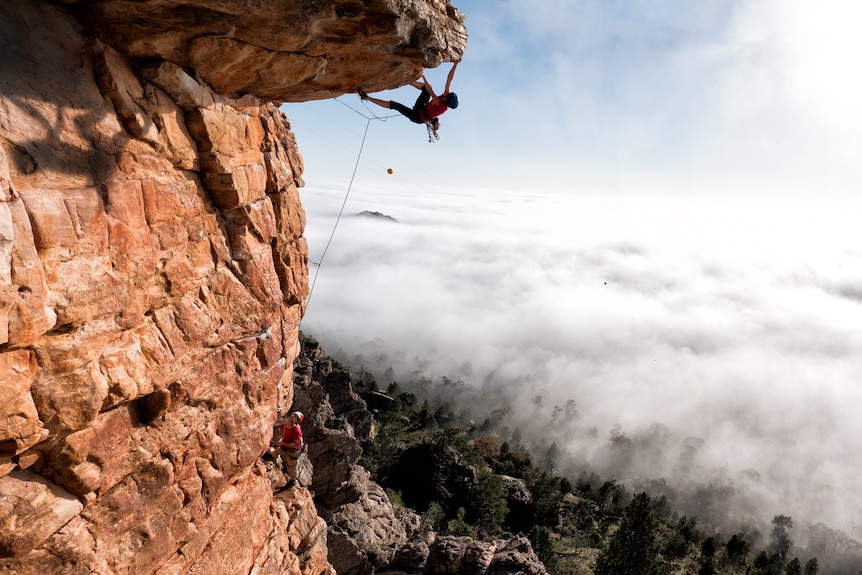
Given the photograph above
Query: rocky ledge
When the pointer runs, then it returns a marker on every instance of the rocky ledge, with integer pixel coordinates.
(366, 532)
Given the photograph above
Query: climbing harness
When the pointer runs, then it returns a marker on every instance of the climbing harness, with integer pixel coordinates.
(432, 133)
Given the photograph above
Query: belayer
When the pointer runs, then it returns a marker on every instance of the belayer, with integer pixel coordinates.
(428, 106)
(290, 445)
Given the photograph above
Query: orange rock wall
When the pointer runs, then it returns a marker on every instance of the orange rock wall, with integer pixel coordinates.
(152, 276)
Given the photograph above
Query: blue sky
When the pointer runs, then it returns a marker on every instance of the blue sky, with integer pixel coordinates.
(591, 96)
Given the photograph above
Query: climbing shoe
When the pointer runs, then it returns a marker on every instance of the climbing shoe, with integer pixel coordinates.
(362, 93)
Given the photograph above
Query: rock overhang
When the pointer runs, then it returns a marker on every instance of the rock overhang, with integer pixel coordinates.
(283, 50)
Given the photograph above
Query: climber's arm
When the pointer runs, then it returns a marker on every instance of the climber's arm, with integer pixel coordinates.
(451, 75)
(428, 87)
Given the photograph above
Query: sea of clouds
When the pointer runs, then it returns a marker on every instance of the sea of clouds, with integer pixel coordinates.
(720, 336)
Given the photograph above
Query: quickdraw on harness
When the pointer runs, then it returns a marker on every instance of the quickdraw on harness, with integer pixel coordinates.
(432, 132)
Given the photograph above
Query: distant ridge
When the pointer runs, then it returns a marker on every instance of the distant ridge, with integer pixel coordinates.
(370, 214)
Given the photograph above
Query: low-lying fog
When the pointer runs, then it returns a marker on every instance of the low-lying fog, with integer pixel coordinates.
(722, 336)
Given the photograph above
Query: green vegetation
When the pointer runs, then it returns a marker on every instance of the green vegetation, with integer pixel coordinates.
(481, 480)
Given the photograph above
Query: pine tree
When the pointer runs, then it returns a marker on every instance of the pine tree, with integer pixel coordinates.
(781, 524)
(633, 549)
(794, 567)
(540, 537)
(737, 548)
(488, 503)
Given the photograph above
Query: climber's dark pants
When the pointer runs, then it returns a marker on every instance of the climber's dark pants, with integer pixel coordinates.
(417, 113)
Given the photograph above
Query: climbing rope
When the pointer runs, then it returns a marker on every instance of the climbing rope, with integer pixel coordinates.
(337, 219)
(319, 263)
(369, 117)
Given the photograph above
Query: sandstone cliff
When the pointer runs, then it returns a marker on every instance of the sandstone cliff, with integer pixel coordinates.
(153, 269)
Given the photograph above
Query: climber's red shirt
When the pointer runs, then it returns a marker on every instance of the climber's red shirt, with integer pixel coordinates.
(290, 435)
(434, 109)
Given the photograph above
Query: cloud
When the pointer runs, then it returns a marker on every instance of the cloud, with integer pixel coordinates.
(692, 316)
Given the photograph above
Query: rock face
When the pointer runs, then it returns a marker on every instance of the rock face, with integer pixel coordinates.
(365, 530)
(153, 270)
(367, 533)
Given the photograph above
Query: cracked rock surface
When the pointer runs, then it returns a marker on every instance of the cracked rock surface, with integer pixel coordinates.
(153, 270)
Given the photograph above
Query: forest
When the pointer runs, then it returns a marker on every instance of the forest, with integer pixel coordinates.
(467, 472)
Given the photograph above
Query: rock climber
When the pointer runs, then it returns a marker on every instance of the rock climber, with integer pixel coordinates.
(290, 444)
(428, 106)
